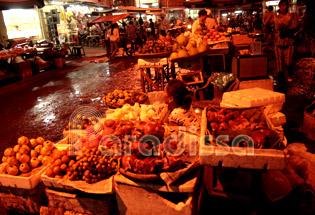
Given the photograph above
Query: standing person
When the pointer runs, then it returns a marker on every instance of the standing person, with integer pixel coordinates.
(210, 22)
(199, 25)
(285, 23)
(132, 34)
(152, 28)
(269, 23)
(114, 39)
(163, 26)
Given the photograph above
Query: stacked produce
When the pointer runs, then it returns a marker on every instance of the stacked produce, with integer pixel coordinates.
(118, 98)
(126, 139)
(137, 112)
(27, 155)
(249, 122)
(91, 166)
(186, 46)
(163, 44)
(6, 54)
(215, 36)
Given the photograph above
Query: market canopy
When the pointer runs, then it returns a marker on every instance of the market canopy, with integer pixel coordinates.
(11, 4)
(139, 9)
(111, 18)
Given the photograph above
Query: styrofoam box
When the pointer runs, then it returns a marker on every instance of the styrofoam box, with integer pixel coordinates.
(277, 119)
(253, 97)
(22, 182)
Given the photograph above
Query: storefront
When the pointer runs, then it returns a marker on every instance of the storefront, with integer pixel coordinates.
(22, 23)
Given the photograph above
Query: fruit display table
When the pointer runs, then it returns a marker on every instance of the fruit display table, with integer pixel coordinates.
(161, 75)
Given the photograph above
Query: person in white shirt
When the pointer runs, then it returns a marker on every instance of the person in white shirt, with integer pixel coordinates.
(114, 39)
(210, 22)
(199, 25)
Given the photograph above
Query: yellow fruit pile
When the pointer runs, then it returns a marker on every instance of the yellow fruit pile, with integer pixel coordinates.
(118, 98)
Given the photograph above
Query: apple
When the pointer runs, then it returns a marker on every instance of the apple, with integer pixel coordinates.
(208, 34)
(8, 152)
(34, 162)
(56, 170)
(48, 144)
(4, 168)
(65, 159)
(57, 162)
(16, 148)
(49, 172)
(38, 148)
(22, 140)
(24, 168)
(45, 151)
(63, 167)
(12, 160)
(212, 30)
(24, 149)
(40, 157)
(12, 170)
(18, 155)
(33, 143)
(4, 159)
(217, 36)
(212, 37)
(40, 140)
(34, 153)
(205, 37)
(46, 160)
(24, 158)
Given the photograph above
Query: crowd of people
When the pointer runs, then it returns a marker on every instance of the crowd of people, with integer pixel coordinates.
(281, 24)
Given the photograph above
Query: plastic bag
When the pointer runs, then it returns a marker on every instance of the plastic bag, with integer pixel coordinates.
(223, 80)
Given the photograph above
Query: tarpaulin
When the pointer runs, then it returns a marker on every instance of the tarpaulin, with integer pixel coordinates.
(11, 4)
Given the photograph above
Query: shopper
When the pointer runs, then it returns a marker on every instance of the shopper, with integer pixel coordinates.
(199, 25)
(114, 39)
(179, 100)
(132, 34)
(269, 23)
(210, 22)
(152, 28)
(285, 25)
(163, 26)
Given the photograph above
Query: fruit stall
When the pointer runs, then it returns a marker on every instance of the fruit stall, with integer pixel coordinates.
(127, 157)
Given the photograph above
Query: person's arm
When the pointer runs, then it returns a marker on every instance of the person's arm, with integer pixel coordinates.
(194, 27)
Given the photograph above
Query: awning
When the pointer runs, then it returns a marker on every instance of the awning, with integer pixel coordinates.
(97, 13)
(139, 9)
(11, 4)
(111, 18)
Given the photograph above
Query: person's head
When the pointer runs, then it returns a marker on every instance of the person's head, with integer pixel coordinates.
(208, 12)
(131, 23)
(270, 8)
(257, 15)
(283, 6)
(202, 15)
(150, 20)
(176, 94)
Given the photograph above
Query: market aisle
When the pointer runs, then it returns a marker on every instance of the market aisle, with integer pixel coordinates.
(43, 108)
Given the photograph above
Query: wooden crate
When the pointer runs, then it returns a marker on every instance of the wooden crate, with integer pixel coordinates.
(237, 157)
(22, 182)
(157, 198)
(22, 201)
(261, 83)
(80, 203)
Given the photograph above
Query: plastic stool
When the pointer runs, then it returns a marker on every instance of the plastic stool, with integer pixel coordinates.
(77, 51)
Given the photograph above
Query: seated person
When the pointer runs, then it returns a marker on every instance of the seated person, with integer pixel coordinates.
(179, 100)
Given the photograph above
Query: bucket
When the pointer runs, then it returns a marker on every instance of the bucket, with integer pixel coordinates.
(309, 121)
(121, 51)
(58, 62)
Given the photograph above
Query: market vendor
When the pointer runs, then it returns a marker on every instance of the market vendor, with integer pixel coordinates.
(199, 26)
(179, 100)
(210, 22)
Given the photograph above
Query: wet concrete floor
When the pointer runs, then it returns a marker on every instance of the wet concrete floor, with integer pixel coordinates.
(43, 107)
